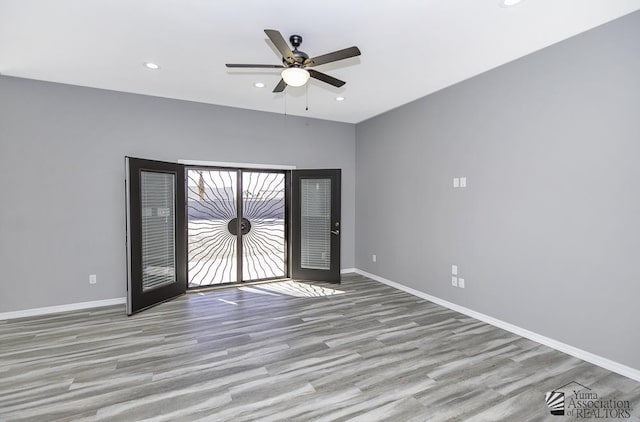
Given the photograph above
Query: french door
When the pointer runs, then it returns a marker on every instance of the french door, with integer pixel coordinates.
(315, 235)
(190, 227)
(156, 247)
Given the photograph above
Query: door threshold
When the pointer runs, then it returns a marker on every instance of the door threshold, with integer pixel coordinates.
(234, 285)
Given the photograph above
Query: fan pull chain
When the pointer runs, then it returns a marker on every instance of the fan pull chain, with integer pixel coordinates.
(285, 104)
(306, 94)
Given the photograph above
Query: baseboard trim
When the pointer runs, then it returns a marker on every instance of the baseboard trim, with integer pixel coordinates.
(85, 305)
(605, 363)
(62, 308)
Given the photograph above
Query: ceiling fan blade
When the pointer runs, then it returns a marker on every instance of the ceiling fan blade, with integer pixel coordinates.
(282, 46)
(333, 57)
(256, 66)
(281, 86)
(325, 78)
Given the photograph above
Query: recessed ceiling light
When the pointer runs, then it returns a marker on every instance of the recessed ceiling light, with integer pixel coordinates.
(259, 85)
(151, 66)
(509, 3)
(339, 98)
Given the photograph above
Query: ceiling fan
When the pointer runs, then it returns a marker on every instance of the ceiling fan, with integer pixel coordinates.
(297, 65)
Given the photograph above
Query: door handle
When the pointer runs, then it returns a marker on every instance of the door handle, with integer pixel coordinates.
(336, 232)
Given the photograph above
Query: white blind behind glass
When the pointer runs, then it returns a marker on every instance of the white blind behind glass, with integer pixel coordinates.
(157, 194)
(315, 223)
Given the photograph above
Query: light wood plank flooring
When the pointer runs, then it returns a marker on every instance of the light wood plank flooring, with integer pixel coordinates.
(358, 351)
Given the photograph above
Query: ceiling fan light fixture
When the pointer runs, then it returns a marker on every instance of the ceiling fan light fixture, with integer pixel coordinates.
(295, 76)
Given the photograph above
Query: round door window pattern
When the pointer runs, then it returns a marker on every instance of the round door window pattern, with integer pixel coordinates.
(245, 226)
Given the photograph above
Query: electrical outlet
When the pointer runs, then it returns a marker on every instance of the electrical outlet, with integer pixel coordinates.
(374, 258)
(456, 182)
(454, 281)
(463, 182)
(461, 283)
(454, 269)
(93, 279)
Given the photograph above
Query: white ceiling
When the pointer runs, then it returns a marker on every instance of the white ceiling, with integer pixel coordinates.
(410, 48)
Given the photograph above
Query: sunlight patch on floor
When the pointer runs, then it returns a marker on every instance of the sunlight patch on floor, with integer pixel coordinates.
(254, 290)
(293, 288)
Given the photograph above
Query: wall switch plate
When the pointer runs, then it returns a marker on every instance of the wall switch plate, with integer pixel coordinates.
(374, 258)
(456, 182)
(463, 182)
(93, 279)
(454, 269)
(461, 283)
(454, 281)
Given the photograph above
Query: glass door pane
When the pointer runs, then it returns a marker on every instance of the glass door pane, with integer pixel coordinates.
(315, 210)
(263, 225)
(157, 195)
(212, 226)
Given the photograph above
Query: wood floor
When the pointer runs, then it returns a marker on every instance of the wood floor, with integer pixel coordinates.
(284, 352)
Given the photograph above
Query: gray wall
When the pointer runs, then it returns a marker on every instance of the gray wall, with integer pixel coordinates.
(62, 154)
(547, 233)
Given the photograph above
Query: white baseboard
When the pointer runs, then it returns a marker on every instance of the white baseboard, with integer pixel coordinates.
(85, 305)
(613, 366)
(62, 308)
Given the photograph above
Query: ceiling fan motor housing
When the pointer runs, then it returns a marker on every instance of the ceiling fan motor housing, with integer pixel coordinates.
(298, 55)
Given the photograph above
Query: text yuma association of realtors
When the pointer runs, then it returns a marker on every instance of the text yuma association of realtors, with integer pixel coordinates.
(588, 405)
